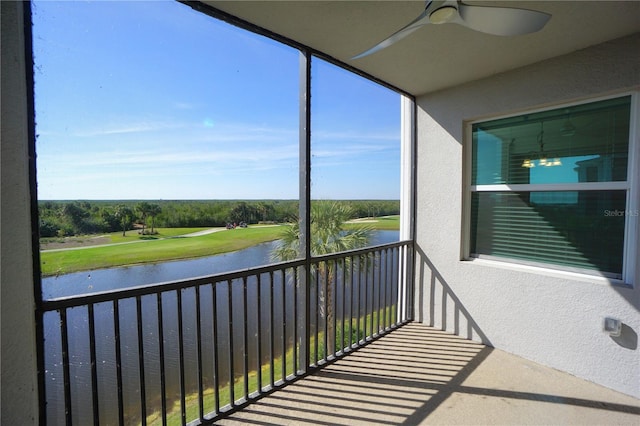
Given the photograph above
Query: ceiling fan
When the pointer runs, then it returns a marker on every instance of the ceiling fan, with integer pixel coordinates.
(501, 21)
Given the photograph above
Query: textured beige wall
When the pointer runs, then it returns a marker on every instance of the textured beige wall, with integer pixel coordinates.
(19, 383)
(549, 317)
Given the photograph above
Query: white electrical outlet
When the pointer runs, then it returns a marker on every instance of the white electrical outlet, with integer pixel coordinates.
(613, 326)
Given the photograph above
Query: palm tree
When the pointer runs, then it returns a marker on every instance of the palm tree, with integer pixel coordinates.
(328, 235)
(123, 213)
(142, 209)
(153, 211)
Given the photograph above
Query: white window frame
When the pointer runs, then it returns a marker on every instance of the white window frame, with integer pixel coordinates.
(632, 187)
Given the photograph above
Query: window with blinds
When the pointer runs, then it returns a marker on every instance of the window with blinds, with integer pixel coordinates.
(552, 188)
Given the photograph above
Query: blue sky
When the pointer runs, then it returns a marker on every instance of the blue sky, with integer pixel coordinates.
(151, 100)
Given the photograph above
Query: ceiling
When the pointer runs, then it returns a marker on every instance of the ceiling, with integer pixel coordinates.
(436, 56)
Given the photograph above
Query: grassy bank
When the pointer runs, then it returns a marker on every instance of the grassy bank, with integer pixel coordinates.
(192, 403)
(154, 249)
(384, 223)
(168, 244)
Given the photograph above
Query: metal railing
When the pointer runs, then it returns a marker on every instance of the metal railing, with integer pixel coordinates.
(192, 351)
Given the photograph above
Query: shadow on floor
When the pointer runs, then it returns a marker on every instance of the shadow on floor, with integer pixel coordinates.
(403, 378)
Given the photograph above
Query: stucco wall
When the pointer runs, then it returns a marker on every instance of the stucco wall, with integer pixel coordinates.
(19, 391)
(552, 318)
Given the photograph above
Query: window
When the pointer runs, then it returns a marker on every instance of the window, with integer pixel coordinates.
(553, 188)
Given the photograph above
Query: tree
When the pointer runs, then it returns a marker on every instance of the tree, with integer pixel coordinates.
(266, 211)
(142, 209)
(153, 211)
(327, 236)
(75, 214)
(243, 212)
(123, 214)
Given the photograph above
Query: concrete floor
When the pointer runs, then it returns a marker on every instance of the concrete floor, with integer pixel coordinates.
(418, 375)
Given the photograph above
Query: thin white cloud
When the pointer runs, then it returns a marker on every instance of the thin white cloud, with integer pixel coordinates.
(125, 128)
(184, 105)
(171, 157)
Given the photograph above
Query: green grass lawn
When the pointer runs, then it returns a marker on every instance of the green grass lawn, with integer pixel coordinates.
(384, 223)
(116, 237)
(167, 244)
(154, 249)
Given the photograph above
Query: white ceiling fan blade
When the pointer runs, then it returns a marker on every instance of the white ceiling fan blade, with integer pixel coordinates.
(502, 21)
(421, 20)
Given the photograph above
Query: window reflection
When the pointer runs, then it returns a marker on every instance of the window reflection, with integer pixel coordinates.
(578, 144)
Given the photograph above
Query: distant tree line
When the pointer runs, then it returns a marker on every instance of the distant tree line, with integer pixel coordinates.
(65, 218)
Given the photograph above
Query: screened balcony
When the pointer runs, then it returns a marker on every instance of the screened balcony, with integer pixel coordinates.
(324, 340)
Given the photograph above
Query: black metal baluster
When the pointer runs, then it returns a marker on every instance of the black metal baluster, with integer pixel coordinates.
(307, 317)
(352, 299)
(64, 334)
(183, 404)
(325, 286)
(259, 326)
(375, 279)
(393, 291)
(373, 266)
(393, 283)
(216, 372)
(94, 371)
(402, 302)
(143, 399)
(371, 269)
(359, 304)
(199, 354)
(375, 291)
(398, 284)
(295, 321)
(317, 327)
(384, 287)
(344, 305)
(382, 292)
(271, 332)
(334, 304)
(377, 286)
(245, 334)
(163, 385)
(407, 289)
(232, 397)
(366, 297)
(410, 282)
(284, 325)
(116, 333)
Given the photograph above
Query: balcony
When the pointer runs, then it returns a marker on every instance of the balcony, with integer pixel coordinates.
(344, 352)
(419, 375)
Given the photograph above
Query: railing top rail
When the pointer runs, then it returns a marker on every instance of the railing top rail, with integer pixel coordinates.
(162, 287)
(357, 252)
